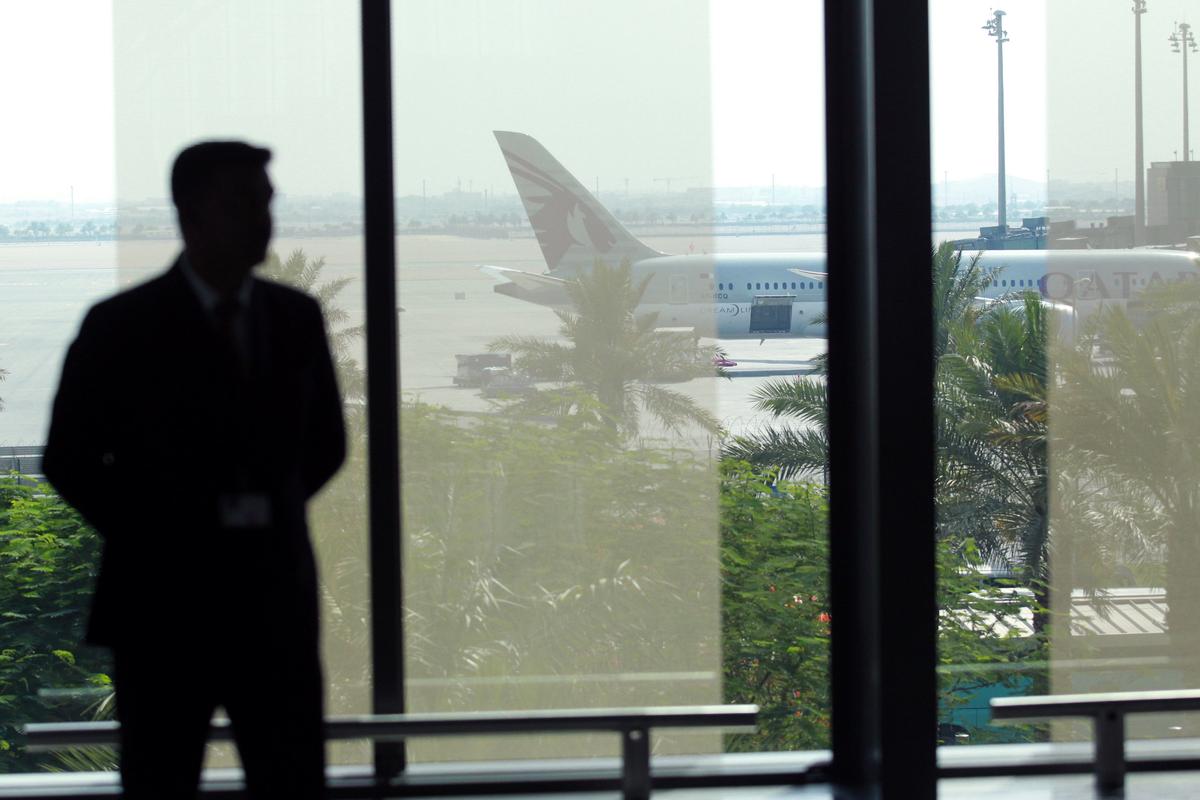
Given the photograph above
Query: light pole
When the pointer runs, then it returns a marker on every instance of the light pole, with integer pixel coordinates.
(1181, 41)
(995, 27)
(1139, 170)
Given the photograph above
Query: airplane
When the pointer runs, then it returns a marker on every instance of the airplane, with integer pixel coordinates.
(768, 295)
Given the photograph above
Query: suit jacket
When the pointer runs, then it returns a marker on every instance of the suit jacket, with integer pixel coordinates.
(156, 421)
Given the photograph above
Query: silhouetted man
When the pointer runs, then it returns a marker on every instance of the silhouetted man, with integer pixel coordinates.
(196, 415)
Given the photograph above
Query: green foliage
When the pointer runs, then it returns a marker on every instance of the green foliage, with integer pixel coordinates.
(956, 289)
(982, 645)
(992, 415)
(48, 561)
(991, 481)
(544, 550)
(1130, 431)
(775, 620)
(541, 543)
(793, 451)
(338, 526)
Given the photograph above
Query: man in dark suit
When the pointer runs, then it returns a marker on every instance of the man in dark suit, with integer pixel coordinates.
(196, 416)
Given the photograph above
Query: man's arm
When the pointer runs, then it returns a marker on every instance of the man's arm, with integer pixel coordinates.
(327, 431)
(79, 461)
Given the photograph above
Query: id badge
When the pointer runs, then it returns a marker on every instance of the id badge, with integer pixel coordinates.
(243, 510)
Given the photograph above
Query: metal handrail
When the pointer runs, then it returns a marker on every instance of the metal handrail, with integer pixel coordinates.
(634, 725)
(1107, 711)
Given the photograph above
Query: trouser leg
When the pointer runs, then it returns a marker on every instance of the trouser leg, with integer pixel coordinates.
(164, 705)
(276, 709)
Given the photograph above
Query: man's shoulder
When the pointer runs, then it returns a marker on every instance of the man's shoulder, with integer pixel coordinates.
(286, 297)
(130, 304)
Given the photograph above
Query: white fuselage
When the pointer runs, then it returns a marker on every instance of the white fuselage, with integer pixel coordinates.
(777, 295)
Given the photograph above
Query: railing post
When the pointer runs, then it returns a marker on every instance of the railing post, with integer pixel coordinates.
(1109, 734)
(635, 766)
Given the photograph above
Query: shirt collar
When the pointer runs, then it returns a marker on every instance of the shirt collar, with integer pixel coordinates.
(208, 296)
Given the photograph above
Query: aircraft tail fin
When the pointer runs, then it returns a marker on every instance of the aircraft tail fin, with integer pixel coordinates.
(572, 227)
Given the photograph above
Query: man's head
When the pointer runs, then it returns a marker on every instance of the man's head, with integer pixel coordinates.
(223, 199)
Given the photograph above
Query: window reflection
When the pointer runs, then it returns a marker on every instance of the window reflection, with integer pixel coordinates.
(573, 537)
(560, 508)
(1071, 565)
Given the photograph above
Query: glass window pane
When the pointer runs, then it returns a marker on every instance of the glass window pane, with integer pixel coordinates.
(1123, 557)
(85, 210)
(573, 535)
(57, 255)
(991, 367)
(1067, 535)
(290, 82)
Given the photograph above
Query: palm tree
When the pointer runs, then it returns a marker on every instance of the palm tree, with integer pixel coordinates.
(957, 292)
(611, 358)
(337, 517)
(794, 452)
(798, 451)
(1135, 416)
(992, 416)
(304, 273)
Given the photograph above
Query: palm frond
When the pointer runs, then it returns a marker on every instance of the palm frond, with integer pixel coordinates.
(805, 399)
(794, 452)
(674, 410)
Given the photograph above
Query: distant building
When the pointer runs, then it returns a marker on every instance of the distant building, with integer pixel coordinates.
(1030, 236)
(1112, 234)
(1173, 199)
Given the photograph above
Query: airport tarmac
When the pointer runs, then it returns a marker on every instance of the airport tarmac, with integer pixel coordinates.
(450, 308)
(460, 314)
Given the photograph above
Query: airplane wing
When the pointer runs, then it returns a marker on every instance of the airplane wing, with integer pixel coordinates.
(526, 280)
(541, 289)
(808, 273)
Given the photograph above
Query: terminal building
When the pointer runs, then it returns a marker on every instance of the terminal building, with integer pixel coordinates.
(1172, 220)
(1172, 201)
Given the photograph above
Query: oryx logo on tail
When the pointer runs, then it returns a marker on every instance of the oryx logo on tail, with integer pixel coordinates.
(572, 228)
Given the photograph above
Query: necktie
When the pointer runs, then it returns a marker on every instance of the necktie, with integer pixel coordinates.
(226, 315)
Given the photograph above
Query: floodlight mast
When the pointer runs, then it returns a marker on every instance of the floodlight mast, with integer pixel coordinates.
(1139, 171)
(1181, 41)
(995, 27)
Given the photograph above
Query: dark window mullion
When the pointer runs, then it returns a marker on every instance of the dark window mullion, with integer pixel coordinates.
(905, 375)
(853, 433)
(881, 397)
(383, 380)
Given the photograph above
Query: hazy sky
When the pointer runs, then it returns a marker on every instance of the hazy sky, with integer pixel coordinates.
(728, 92)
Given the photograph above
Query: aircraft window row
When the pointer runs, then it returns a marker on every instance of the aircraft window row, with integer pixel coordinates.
(1018, 283)
(749, 286)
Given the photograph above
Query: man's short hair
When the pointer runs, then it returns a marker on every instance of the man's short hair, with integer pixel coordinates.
(197, 166)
